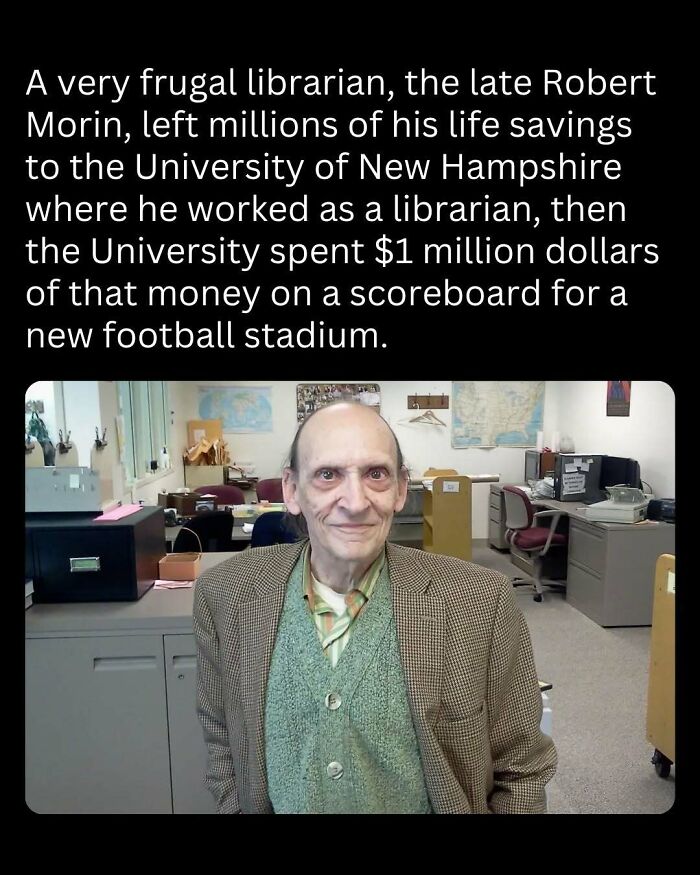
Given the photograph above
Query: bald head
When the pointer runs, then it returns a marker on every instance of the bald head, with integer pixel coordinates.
(329, 424)
(346, 480)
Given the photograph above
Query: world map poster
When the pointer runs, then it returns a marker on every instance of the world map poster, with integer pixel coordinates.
(241, 409)
(497, 414)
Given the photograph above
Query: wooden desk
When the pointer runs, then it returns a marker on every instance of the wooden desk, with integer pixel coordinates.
(611, 566)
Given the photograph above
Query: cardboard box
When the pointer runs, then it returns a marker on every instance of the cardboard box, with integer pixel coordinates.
(179, 566)
(211, 429)
(203, 475)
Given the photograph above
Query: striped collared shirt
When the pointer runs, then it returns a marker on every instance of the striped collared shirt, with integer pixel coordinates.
(334, 629)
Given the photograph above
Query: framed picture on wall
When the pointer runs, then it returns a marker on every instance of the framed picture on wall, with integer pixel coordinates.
(313, 396)
(619, 392)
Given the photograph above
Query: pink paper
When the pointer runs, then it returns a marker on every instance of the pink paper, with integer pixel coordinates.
(118, 513)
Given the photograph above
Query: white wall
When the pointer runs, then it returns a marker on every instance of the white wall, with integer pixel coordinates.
(574, 408)
(648, 434)
(81, 400)
(423, 446)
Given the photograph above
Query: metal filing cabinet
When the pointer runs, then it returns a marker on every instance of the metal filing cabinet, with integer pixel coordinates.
(96, 725)
(610, 575)
(497, 518)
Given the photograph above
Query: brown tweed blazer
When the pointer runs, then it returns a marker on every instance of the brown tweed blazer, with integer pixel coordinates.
(466, 655)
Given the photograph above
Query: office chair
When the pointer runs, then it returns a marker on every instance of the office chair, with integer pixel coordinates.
(272, 527)
(523, 531)
(212, 528)
(225, 493)
(270, 490)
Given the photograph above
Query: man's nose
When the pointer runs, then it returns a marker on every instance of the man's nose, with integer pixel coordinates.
(353, 497)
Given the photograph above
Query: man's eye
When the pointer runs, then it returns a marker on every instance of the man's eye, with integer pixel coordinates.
(377, 474)
(326, 474)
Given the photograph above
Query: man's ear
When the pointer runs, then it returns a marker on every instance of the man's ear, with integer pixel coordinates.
(289, 491)
(402, 490)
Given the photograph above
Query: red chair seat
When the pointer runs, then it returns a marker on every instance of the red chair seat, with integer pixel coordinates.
(530, 539)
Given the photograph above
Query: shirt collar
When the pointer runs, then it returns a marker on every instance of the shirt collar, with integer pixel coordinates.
(361, 592)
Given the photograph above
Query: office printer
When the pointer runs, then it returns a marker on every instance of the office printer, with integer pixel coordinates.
(625, 505)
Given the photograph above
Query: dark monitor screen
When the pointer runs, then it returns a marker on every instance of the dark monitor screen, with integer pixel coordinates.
(619, 471)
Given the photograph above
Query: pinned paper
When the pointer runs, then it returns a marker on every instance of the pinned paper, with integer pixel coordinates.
(570, 468)
(671, 582)
(118, 513)
(74, 481)
(573, 484)
(450, 486)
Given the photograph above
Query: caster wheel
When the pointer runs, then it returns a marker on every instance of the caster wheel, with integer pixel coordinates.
(537, 598)
(662, 764)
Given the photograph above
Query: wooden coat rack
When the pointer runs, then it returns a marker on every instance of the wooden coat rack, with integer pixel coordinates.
(428, 402)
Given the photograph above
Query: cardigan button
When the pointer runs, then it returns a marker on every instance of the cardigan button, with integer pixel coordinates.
(333, 701)
(334, 770)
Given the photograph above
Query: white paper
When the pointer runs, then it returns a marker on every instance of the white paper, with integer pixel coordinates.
(585, 466)
(74, 481)
(578, 462)
(570, 468)
(172, 584)
(573, 484)
(198, 434)
(671, 583)
(450, 486)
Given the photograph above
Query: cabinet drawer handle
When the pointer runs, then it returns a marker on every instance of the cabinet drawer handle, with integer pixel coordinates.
(123, 663)
(184, 662)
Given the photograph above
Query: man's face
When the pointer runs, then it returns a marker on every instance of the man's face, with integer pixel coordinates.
(347, 484)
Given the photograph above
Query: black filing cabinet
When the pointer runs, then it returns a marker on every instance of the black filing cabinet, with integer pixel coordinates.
(73, 558)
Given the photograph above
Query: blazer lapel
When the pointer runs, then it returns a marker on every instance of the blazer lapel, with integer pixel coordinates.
(258, 622)
(420, 625)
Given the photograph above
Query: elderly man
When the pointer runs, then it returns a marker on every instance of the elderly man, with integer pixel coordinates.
(345, 674)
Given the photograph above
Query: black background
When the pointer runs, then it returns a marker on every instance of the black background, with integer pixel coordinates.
(645, 340)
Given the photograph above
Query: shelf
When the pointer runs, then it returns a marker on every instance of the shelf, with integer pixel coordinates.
(447, 516)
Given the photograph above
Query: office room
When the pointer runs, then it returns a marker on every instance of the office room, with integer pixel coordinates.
(593, 575)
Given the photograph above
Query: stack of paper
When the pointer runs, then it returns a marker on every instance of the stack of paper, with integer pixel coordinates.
(172, 584)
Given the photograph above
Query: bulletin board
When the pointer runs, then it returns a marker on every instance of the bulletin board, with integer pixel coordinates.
(313, 396)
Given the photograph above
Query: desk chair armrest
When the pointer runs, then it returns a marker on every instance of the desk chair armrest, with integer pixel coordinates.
(556, 515)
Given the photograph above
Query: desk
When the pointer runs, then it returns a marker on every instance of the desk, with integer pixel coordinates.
(610, 566)
(407, 534)
(237, 534)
